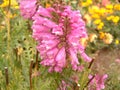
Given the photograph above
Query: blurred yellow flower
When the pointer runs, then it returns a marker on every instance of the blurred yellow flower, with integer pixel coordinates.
(117, 42)
(83, 41)
(97, 21)
(109, 6)
(117, 7)
(10, 14)
(87, 18)
(110, 17)
(102, 11)
(13, 4)
(97, 12)
(100, 26)
(115, 19)
(92, 37)
(48, 5)
(93, 9)
(95, 16)
(101, 35)
(86, 3)
(109, 11)
(108, 38)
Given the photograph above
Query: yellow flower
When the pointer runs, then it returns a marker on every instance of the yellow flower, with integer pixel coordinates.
(97, 21)
(95, 16)
(110, 17)
(117, 42)
(97, 12)
(110, 11)
(100, 26)
(87, 18)
(117, 7)
(101, 35)
(10, 14)
(102, 11)
(108, 38)
(83, 41)
(115, 19)
(109, 6)
(92, 37)
(86, 3)
(5, 3)
(13, 4)
(94, 9)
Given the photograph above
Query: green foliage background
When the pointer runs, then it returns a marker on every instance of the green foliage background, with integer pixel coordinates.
(16, 54)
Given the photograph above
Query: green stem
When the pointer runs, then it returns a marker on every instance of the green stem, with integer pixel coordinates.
(36, 66)
(30, 74)
(7, 19)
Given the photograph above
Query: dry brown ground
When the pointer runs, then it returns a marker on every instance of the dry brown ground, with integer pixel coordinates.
(105, 61)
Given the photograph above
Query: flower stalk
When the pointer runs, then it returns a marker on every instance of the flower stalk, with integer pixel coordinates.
(6, 77)
(30, 74)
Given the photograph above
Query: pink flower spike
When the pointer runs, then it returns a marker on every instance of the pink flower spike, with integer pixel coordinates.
(58, 32)
(28, 8)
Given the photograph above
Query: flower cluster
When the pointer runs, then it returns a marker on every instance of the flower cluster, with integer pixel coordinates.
(13, 4)
(106, 37)
(86, 3)
(58, 32)
(103, 18)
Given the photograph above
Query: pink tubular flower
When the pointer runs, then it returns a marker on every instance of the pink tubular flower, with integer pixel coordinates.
(97, 82)
(58, 32)
(28, 8)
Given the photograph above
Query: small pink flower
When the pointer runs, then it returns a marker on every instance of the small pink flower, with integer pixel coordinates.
(105, 2)
(97, 82)
(28, 8)
(117, 61)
